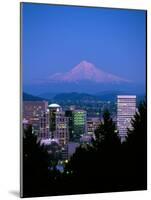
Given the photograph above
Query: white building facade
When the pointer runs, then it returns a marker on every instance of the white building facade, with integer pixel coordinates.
(126, 108)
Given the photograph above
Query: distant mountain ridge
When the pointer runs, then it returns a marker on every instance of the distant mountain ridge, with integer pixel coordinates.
(29, 97)
(74, 96)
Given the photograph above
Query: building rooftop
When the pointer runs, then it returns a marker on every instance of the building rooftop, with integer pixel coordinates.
(126, 96)
(48, 141)
(54, 105)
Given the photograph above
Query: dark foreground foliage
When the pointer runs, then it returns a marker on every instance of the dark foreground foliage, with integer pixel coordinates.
(104, 166)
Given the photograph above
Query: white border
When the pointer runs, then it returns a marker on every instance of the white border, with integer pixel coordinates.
(9, 99)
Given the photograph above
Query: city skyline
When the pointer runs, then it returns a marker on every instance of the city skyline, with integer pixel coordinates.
(51, 121)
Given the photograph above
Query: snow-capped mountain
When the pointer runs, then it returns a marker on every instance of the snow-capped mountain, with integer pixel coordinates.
(86, 71)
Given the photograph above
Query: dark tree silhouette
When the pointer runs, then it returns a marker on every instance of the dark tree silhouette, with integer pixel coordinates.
(138, 134)
(108, 164)
(40, 176)
(97, 163)
(35, 165)
(135, 149)
(106, 133)
(108, 150)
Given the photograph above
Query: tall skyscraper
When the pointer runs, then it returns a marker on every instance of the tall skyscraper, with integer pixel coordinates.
(35, 113)
(53, 110)
(44, 126)
(59, 129)
(77, 123)
(62, 130)
(69, 115)
(126, 108)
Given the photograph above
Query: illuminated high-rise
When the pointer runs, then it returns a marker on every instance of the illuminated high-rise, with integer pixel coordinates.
(126, 108)
(35, 114)
(58, 124)
(53, 110)
(79, 123)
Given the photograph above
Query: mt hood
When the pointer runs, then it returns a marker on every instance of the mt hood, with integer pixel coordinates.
(86, 71)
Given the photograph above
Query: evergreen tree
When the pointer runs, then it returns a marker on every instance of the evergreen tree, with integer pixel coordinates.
(138, 134)
(135, 149)
(106, 133)
(95, 167)
(108, 149)
(35, 165)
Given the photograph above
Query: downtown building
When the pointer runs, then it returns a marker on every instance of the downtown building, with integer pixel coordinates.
(92, 125)
(35, 113)
(58, 127)
(77, 124)
(126, 108)
(49, 124)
